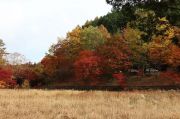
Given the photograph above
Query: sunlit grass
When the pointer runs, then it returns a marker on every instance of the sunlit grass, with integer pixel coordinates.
(64, 104)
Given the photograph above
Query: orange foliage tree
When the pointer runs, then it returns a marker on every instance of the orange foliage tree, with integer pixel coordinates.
(49, 65)
(173, 58)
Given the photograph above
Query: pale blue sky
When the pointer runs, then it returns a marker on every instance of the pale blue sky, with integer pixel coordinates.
(31, 26)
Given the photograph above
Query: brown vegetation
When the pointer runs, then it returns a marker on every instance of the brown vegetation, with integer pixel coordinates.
(41, 104)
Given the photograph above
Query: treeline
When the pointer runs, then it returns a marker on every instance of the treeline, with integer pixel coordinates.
(137, 36)
(17, 72)
(134, 39)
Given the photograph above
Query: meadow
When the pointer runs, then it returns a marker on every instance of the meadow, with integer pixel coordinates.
(69, 104)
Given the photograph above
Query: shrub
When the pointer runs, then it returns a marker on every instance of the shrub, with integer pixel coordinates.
(175, 76)
(120, 77)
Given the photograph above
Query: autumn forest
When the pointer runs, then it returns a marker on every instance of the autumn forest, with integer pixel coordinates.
(136, 44)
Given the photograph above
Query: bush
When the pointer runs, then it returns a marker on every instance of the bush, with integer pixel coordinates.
(171, 76)
(120, 77)
(6, 78)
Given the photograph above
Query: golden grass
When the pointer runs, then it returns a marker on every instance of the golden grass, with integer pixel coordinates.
(41, 104)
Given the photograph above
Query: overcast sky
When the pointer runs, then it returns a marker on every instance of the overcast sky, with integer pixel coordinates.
(31, 26)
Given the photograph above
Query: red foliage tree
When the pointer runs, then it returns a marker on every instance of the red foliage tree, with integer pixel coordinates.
(87, 67)
(115, 55)
(6, 78)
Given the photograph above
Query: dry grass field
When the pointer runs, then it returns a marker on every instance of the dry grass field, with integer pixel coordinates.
(42, 104)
